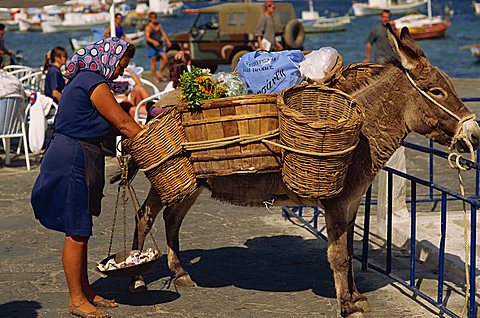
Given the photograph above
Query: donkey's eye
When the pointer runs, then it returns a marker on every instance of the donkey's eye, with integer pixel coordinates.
(437, 92)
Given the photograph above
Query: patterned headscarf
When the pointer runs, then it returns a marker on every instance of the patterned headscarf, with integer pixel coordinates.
(101, 57)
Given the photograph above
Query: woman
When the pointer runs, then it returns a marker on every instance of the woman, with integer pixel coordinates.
(68, 190)
(54, 81)
(118, 28)
(131, 93)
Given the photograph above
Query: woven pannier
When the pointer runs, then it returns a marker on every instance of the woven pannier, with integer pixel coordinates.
(225, 137)
(159, 153)
(319, 128)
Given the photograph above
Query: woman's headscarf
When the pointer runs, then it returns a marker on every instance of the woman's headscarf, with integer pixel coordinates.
(101, 57)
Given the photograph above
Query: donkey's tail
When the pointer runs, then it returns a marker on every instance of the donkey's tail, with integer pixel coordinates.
(132, 172)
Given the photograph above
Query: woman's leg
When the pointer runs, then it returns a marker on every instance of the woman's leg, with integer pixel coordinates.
(73, 259)
(88, 290)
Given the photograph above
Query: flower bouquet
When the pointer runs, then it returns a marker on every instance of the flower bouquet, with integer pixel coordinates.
(199, 85)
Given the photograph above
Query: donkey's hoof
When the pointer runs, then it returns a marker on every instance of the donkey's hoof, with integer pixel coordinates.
(137, 286)
(363, 303)
(185, 281)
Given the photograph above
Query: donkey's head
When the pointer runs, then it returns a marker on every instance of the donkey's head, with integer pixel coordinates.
(435, 109)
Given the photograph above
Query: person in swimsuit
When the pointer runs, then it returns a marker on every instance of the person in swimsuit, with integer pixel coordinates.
(158, 42)
(69, 188)
(118, 28)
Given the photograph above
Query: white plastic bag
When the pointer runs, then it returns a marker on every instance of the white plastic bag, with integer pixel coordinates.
(319, 63)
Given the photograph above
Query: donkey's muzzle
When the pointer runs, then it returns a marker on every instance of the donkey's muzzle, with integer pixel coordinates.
(471, 136)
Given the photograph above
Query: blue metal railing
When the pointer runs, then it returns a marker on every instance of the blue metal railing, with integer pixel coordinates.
(297, 212)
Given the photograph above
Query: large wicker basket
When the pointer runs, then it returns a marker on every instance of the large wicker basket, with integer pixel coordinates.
(319, 128)
(225, 137)
(159, 153)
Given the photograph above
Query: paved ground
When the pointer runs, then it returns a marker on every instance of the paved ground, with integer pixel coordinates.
(247, 262)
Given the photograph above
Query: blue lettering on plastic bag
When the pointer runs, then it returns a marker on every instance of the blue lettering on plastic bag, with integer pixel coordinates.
(270, 72)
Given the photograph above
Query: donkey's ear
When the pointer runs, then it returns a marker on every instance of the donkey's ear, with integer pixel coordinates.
(404, 47)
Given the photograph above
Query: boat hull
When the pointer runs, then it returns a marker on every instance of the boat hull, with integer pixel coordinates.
(48, 27)
(430, 31)
(137, 39)
(363, 9)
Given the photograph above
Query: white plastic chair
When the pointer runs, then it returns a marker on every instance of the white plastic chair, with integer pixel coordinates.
(151, 85)
(34, 81)
(154, 98)
(12, 124)
(21, 72)
(11, 68)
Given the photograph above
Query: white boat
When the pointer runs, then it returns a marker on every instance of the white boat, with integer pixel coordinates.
(314, 23)
(74, 21)
(137, 38)
(165, 8)
(476, 7)
(374, 7)
(422, 26)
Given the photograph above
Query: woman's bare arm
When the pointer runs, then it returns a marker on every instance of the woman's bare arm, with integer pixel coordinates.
(108, 107)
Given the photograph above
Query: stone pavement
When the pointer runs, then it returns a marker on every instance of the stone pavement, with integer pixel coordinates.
(247, 262)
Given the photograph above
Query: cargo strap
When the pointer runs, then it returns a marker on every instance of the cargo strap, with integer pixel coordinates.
(309, 153)
(215, 143)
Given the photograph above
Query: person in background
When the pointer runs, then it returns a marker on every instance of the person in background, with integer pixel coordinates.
(118, 28)
(8, 55)
(132, 94)
(9, 83)
(69, 188)
(157, 41)
(54, 80)
(378, 37)
(265, 31)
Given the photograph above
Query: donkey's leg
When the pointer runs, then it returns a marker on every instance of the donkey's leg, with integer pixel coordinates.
(173, 216)
(358, 299)
(147, 214)
(340, 260)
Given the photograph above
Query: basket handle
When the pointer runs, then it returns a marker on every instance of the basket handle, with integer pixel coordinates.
(308, 153)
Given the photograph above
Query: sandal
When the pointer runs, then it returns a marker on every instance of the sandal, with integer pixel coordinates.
(105, 303)
(74, 310)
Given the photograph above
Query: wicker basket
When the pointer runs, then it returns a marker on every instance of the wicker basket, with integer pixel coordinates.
(319, 128)
(159, 153)
(225, 137)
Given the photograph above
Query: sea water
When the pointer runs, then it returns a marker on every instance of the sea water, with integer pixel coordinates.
(444, 53)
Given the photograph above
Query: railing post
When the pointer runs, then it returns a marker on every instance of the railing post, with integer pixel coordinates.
(413, 232)
(473, 260)
(441, 252)
(366, 228)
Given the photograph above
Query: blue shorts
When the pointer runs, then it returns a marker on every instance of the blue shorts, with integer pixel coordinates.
(155, 52)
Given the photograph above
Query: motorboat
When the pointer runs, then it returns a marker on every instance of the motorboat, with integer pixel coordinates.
(396, 7)
(165, 8)
(136, 38)
(75, 21)
(314, 23)
(422, 26)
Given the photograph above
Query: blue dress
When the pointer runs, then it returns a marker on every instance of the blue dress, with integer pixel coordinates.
(65, 195)
(54, 81)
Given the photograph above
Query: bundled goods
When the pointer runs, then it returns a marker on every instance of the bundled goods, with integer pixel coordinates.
(135, 258)
(270, 72)
(321, 63)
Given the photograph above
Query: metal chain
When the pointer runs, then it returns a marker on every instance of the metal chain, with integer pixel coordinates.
(114, 221)
(124, 208)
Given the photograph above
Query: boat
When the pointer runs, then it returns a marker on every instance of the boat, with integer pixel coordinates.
(396, 7)
(165, 8)
(74, 22)
(314, 23)
(476, 7)
(136, 38)
(424, 27)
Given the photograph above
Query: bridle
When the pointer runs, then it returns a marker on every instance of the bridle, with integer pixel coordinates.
(460, 134)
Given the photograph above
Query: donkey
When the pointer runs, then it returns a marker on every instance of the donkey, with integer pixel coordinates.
(406, 95)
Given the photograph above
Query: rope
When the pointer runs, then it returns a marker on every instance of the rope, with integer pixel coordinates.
(309, 153)
(213, 144)
(454, 162)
